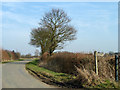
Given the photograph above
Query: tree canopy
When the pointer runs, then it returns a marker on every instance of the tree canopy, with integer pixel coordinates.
(53, 31)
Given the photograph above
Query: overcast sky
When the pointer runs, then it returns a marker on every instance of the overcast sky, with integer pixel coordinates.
(96, 25)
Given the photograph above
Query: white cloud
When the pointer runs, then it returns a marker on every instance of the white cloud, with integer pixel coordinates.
(19, 18)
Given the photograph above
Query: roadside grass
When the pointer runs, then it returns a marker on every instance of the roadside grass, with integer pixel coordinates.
(63, 77)
(12, 61)
(54, 76)
(107, 84)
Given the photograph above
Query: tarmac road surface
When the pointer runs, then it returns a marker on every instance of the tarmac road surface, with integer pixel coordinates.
(14, 75)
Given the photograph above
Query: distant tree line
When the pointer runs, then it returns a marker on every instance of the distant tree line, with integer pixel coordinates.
(26, 56)
(36, 55)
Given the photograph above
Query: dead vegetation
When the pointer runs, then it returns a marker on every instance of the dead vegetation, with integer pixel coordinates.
(82, 65)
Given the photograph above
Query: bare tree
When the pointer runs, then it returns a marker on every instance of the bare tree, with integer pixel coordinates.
(54, 30)
(39, 38)
(37, 53)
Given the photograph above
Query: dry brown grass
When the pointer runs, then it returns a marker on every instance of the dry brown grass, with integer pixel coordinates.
(87, 78)
(107, 67)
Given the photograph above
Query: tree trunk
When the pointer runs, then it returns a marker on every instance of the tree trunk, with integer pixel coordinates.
(50, 52)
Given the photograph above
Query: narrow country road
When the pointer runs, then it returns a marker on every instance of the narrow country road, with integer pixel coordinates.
(14, 75)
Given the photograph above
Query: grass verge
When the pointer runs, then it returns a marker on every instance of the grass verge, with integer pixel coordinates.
(12, 61)
(60, 79)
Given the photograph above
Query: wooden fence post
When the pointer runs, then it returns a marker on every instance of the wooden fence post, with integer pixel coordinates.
(96, 63)
(119, 67)
(116, 68)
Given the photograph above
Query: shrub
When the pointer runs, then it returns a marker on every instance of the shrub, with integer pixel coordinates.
(64, 62)
(17, 55)
(8, 55)
(80, 64)
(5, 55)
(45, 56)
